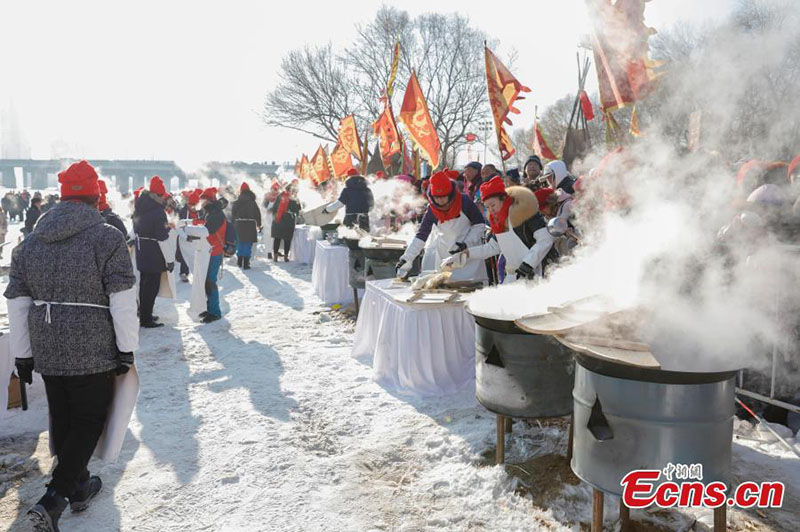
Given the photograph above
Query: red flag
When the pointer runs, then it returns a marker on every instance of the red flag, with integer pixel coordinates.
(385, 129)
(504, 89)
(304, 167)
(470, 137)
(586, 106)
(415, 116)
(625, 72)
(348, 136)
(540, 146)
(341, 161)
(322, 172)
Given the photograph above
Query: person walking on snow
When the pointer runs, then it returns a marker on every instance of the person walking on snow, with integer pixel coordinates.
(247, 220)
(151, 227)
(109, 215)
(215, 222)
(32, 216)
(519, 232)
(3, 229)
(284, 209)
(460, 225)
(72, 318)
(188, 212)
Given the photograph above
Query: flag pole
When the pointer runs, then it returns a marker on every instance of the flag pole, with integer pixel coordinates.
(365, 153)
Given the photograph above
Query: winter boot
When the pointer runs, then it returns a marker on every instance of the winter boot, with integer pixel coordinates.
(84, 493)
(239, 261)
(203, 314)
(184, 278)
(211, 318)
(46, 513)
(151, 324)
(246, 263)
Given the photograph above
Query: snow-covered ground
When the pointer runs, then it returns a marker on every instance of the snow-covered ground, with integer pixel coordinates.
(263, 421)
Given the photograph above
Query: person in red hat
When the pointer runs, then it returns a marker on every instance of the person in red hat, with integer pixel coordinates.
(108, 213)
(546, 198)
(188, 212)
(150, 227)
(519, 232)
(284, 211)
(247, 220)
(213, 218)
(460, 224)
(72, 318)
(357, 199)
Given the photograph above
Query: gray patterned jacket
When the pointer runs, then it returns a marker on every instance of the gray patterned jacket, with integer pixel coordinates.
(72, 256)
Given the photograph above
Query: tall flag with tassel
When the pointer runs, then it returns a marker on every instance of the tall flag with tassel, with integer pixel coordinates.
(504, 89)
(322, 171)
(385, 128)
(348, 137)
(304, 164)
(540, 146)
(415, 117)
(393, 72)
(619, 35)
(341, 161)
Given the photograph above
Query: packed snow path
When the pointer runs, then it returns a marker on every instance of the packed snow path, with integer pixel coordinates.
(263, 421)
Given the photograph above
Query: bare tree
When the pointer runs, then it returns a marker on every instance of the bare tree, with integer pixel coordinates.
(313, 94)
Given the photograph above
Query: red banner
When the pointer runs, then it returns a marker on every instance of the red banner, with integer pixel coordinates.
(342, 163)
(415, 116)
(385, 129)
(586, 107)
(348, 136)
(504, 90)
(319, 162)
(304, 168)
(540, 146)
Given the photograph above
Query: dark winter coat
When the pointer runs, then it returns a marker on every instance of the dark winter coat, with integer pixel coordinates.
(358, 201)
(114, 220)
(284, 229)
(31, 217)
(215, 221)
(151, 227)
(71, 257)
(246, 217)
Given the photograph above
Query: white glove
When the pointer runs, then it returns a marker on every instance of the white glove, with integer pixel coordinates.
(454, 262)
(333, 207)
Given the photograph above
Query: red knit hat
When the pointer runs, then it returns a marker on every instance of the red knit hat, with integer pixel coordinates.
(352, 172)
(494, 187)
(194, 197)
(441, 184)
(244, 187)
(137, 192)
(103, 188)
(543, 195)
(80, 179)
(209, 194)
(380, 174)
(157, 186)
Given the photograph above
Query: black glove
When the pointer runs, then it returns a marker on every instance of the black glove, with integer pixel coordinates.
(24, 369)
(170, 266)
(192, 238)
(458, 248)
(124, 363)
(525, 271)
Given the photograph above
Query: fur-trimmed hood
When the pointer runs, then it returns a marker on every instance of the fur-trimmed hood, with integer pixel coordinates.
(524, 206)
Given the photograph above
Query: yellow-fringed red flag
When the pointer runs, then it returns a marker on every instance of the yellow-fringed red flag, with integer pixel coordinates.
(393, 73)
(415, 116)
(322, 172)
(385, 128)
(540, 146)
(348, 136)
(504, 89)
(341, 161)
(304, 164)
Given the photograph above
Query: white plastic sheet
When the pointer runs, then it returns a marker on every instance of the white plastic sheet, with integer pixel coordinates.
(425, 350)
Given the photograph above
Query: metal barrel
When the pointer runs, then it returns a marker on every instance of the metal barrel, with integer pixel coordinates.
(623, 424)
(521, 375)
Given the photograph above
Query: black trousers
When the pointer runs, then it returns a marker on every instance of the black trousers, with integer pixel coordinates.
(276, 244)
(179, 258)
(149, 283)
(78, 410)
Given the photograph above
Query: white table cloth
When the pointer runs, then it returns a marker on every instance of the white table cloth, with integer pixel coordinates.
(420, 349)
(304, 243)
(330, 276)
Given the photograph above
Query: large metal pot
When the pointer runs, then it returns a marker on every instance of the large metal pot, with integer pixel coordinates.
(627, 418)
(521, 375)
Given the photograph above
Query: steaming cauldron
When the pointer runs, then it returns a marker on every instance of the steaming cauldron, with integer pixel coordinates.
(630, 418)
(380, 261)
(520, 375)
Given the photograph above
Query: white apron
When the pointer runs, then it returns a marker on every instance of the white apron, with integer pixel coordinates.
(126, 391)
(169, 249)
(514, 250)
(201, 251)
(450, 232)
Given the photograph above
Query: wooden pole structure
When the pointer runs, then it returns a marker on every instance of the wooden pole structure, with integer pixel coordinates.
(365, 153)
(508, 425)
(500, 456)
(721, 519)
(597, 510)
(624, 517)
